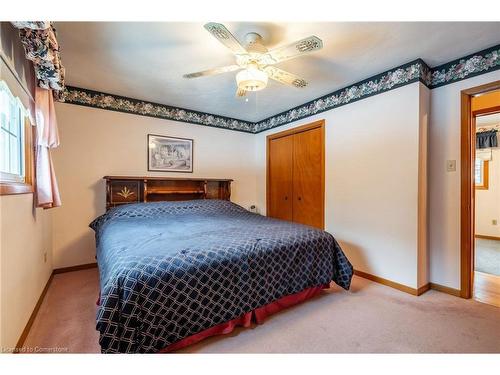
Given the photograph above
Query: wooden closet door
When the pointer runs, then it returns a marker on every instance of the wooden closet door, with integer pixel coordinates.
(280, 159)
(308, 177)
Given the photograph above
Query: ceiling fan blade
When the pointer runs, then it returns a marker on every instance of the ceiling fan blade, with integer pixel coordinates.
(223, 35)
(295, 49)
(240, 93)
(211, 72)
(285, 77)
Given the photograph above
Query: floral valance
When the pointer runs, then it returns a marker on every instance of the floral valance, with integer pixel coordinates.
(41, 47)
(34, 25)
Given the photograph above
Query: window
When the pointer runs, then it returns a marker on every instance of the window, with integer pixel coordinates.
(481, 174)
(15, 145)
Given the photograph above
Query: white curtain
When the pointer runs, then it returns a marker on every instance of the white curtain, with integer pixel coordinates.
(483, 154)
(47, 191)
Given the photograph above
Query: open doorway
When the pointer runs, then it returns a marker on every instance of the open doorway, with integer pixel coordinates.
(480, 193)
(486, 280)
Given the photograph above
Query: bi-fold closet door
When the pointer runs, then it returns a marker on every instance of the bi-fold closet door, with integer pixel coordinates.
(295, 175)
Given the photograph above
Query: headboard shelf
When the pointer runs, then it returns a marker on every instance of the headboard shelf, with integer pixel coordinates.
(154, 191)
(152, 178)
(132, 189)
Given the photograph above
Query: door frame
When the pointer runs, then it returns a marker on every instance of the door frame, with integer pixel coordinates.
(299, 129)
(467, 185)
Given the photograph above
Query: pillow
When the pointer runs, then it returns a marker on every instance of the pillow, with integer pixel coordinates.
(157, 209)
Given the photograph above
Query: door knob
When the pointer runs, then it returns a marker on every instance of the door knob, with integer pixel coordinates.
(300, 198)
(286, 198)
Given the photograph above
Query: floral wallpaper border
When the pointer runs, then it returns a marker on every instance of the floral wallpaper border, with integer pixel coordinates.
(90, 98)
(466, 67)
(469, 66)
(403, 75)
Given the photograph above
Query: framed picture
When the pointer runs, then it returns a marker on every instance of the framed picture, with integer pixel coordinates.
(170, 154)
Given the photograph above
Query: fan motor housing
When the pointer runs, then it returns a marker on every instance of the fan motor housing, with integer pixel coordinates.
(254, 43)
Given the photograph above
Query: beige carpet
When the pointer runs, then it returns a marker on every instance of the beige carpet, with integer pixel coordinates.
(371, 318)
(487, 254)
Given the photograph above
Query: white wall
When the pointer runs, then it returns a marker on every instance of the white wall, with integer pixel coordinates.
(423, 275)
(25, 232)
(26, 238)
(372, 180)
(488, 201)
(96, 142)
(444, 187)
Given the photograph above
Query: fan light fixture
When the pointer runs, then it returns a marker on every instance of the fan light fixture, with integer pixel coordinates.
(251, 79)
(257, 61)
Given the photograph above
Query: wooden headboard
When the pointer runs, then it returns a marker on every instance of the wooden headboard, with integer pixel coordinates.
(133, 189)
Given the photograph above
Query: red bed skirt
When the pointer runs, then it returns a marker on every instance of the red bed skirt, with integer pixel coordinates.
(258, 316)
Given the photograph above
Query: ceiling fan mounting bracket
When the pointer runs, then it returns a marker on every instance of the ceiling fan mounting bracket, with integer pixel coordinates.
(252, 38)
(254, 43)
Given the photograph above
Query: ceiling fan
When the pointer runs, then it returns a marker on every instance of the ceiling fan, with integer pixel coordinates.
(257, 61)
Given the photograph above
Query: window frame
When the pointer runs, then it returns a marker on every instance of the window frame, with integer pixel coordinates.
(9, 186)
(485, 174)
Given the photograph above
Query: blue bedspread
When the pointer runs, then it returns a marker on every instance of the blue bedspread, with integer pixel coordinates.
(169, 270)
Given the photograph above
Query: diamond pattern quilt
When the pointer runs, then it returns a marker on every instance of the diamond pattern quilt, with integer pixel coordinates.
(169, 270)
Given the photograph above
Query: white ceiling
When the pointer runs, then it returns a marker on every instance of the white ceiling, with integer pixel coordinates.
(147, 60)
(488, 120)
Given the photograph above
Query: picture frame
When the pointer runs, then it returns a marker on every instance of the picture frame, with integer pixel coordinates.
(170, 154)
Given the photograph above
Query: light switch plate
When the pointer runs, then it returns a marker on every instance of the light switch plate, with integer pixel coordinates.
(451, 165)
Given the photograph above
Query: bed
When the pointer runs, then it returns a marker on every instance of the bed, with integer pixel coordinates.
(172, 273)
